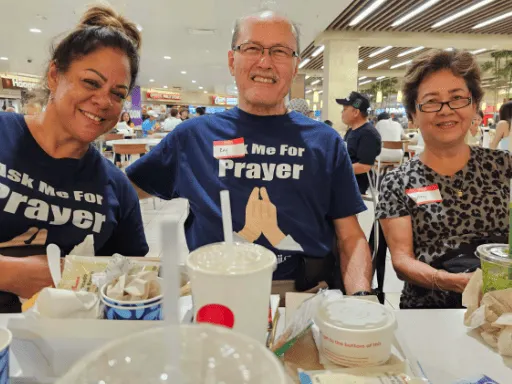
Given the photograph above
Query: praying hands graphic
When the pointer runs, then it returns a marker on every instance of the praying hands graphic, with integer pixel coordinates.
(261, 219)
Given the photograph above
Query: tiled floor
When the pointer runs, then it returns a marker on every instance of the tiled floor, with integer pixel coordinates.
(154, 214)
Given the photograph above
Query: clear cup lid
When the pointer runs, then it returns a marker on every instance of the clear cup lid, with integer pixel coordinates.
(496, 253)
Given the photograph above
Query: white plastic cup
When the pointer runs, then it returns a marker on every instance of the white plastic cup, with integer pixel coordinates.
(5, 343)
(208, 355)
(231, 286)
(356, 333)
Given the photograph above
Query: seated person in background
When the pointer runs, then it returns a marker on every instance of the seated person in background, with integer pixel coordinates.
(299, 105)
(474, 136)
(172, 121)
(150, 125)
(502, 135)
(328, 122)
(452, 196)
(184, 114)
(125, 125)
(290, 178)
(200, 111)
(390, 130)
(56, 188)
(363, 140)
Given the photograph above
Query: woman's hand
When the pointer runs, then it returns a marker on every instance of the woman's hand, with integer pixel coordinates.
(455, 282)
(29, 275)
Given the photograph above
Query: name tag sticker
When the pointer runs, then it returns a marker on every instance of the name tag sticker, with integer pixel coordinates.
(229, 149)
(425, 195)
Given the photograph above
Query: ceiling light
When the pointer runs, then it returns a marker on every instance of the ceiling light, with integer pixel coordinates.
(382, 50)
(315, 82)
(200, 87)
(35, 30)
(322, 67)
(165, 86)
(462, 13)
(360, 61)
(365, 82)
(303, 63)
(410, 15)
(194, 81)
(377, 64)
(139, 28)
(363, 77)
(193, 31)
(449, 49)
(494, 20)
(478, 51)
(183, 72)
(167, 57)
(320, 92)
(318, 51)
(4, 58)
(308, 91)
(151, 80)
(410, 51)
(401, 64)
(381, 77)
(205, 91)
(307, 77)
(366, 12)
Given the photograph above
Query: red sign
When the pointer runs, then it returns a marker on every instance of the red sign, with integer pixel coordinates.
(163, 96)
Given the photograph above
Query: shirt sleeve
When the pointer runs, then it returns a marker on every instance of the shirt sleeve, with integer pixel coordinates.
(128, 238)
(345, 196)
(369, 148)
(392, 199)
(156, 172)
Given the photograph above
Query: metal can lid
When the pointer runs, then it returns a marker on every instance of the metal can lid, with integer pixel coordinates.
(495, 253)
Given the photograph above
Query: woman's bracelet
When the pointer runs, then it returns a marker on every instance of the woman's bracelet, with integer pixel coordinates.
(435, 284)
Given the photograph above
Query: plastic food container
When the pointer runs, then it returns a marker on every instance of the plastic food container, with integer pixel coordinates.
(356, 333)
(496, 266)
(208, 354)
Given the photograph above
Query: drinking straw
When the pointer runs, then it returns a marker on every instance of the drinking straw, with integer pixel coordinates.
(171, 293)
(227, 223)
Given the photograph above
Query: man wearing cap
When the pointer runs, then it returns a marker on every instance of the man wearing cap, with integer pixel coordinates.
(363, 141)
(150, 123)
(290, 179)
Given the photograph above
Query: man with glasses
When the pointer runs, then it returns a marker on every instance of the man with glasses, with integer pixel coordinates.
(290, 178)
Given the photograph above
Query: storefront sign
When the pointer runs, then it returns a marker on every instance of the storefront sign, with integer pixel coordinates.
(133, 106)
(16, 83)
(222, 100)
(163, 96)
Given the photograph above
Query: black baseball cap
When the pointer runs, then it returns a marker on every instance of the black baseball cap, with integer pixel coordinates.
(356, 100)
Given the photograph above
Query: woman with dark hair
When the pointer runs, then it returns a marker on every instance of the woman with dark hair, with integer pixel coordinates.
(125, 117)
(56, 188)
(501, 138)
(451, 198)
(474, 136)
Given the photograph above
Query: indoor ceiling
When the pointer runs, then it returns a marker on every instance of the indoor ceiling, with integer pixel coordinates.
(391, 11)
(166, 31)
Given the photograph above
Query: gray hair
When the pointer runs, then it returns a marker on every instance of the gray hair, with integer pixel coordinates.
(239, 21)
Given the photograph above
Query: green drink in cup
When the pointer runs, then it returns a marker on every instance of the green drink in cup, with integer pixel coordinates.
(496, 266)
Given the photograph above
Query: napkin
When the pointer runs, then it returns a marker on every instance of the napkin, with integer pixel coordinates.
(141, 286)
(489, 314)
(85, 248)
(55, 303)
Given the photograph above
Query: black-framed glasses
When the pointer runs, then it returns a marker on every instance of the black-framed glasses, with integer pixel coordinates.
(277, 52)
(452, 104)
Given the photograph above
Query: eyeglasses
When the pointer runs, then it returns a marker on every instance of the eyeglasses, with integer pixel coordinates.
(276, 52)
(453, 104)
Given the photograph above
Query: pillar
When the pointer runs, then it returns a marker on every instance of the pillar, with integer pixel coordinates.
(340, 78)
(298, 87)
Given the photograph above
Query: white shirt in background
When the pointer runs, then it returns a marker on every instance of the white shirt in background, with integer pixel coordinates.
(170, 123)
(124, 129)
(390, 131)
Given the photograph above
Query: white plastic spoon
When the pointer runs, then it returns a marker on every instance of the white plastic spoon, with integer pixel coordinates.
(53, 255)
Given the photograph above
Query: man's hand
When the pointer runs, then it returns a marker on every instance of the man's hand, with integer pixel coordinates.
(252, 228)
(34, 275)
(269, 225)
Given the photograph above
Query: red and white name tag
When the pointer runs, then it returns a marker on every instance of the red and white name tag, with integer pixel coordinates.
(229, 149)
(425, 195)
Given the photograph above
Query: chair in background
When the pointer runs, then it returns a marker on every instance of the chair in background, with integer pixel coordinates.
(384, 166)
(109, 137)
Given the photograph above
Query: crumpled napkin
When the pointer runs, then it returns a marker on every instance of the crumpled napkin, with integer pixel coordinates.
(55, 303)
(141, 286)
(85, 248)
(490, 314)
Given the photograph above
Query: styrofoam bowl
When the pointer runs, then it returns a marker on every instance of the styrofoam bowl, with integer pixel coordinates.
(356, 333)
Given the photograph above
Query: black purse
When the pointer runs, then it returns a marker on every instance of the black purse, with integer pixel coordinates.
(313, 270)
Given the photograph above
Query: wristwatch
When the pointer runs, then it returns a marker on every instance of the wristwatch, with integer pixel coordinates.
(362, 293)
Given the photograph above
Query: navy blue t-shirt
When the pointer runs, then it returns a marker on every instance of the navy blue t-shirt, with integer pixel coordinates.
(44, 200)
(364, 145)
(288, 180)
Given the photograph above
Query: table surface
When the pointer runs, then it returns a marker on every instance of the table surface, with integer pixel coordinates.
(444, 347)
(134, 141)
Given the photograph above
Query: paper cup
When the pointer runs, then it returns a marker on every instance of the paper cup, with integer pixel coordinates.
(5, 342)
(208, 354)
(496, 266)
(356, 333)
(231, 286)
(150, 309)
